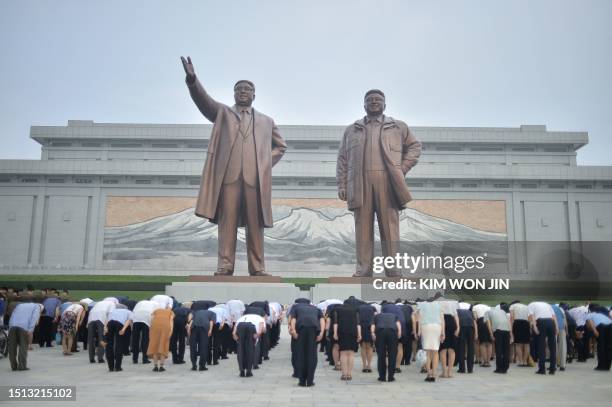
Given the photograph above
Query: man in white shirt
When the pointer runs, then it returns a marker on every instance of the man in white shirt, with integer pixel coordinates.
(248, 330)
(544, 325)
(98, 317)
(276, 309)
(119, 321)
(216, 344)
(582, 334)
(140, 330)
(236, 309)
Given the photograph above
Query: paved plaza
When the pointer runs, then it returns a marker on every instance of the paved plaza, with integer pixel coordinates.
(272, 384)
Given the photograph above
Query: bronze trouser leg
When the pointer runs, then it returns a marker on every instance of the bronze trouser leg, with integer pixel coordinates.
(377, 198)
(238, 198)
(251, 212)
(386, 214)
(364, 231)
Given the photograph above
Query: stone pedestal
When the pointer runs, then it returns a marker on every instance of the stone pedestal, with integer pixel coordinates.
(283, 293)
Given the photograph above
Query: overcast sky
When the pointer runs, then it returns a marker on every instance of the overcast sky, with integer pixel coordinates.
(441, 63)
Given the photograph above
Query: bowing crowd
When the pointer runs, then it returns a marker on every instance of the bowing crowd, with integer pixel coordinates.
(440, 336)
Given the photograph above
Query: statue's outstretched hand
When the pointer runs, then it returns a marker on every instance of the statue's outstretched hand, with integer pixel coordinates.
(189, 69)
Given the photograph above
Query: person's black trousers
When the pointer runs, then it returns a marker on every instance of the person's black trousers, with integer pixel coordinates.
(581, 344)
(82, 332)
(603, 347)
(177, 341)
(115, 345)
(294, 356)
(140, 341)
(233, 346)
(128, 341)
(226, 336)
(407, 345)
(306, 360)
(547, 335)
(265, 345)
(466, 342)
(502, 350)
(214, 346)
(275, 334)
(198, 345)
(245, 349)
(95, 335)
(386, 348)
(45, 332)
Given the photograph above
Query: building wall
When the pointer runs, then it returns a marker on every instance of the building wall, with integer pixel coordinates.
(54, 212)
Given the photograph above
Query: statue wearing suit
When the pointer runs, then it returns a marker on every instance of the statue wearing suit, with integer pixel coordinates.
(236, 186)
(375, 154)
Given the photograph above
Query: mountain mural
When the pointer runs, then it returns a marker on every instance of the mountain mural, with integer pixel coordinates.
(321, 236)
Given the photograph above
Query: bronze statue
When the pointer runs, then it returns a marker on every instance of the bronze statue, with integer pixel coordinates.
(375, 154)
(236, 186)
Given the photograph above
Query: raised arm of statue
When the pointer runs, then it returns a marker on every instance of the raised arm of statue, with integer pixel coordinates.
(207, 105)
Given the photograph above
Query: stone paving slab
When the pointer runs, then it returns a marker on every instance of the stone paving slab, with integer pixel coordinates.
(272, 385)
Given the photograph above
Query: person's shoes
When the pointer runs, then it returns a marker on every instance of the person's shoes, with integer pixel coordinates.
(118, 369)
(242, 374)
(111, 369)
(343, 377)
(430, 379)
(382, 379)
(194, 368)
(101, 361)
(295, 376)
(92, 361)
(460, 371)
(145, 362)
(224, 357)
(551, 371)
(255, 367)
(156, 369)
(265, 358)
(497, 371)
(179, 362)
(24, 368)
(391, 379)
(542, 372)
(562, 369)
(310, 384)
(302, 384)
(249, 374)
(398, 370)
(203, 368)
(216, 362)
(161, 369)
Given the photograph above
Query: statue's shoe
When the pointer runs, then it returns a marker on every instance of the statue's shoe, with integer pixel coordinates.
(223, 273)
(261, 274)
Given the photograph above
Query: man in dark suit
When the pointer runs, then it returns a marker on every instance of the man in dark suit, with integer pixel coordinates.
(236, 187)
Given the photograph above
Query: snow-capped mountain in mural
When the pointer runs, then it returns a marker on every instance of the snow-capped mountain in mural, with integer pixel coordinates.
(299, 233)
